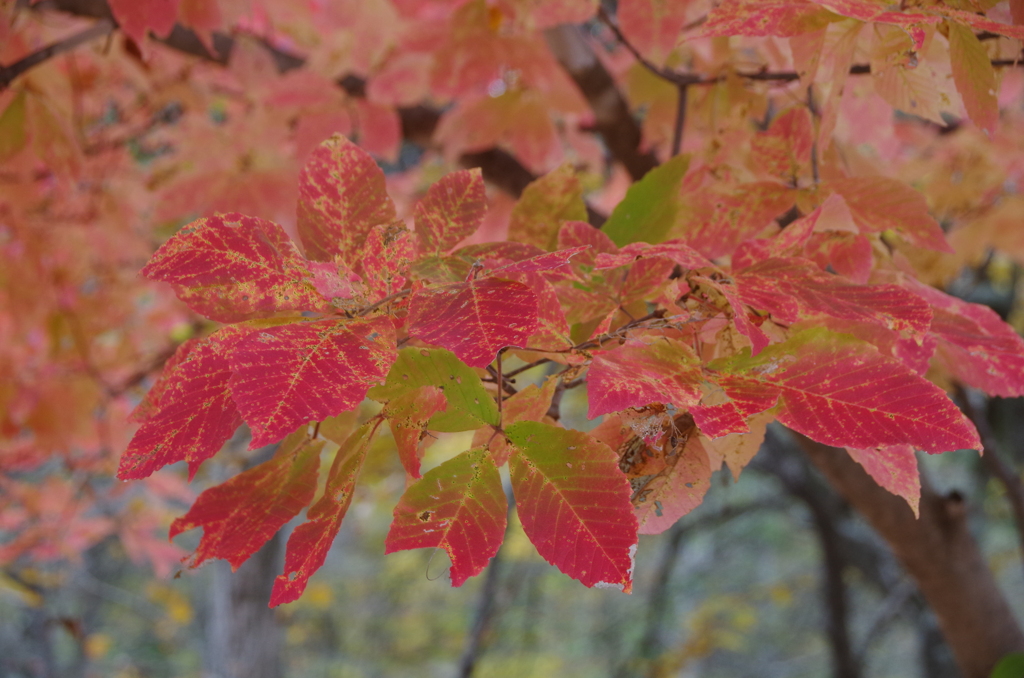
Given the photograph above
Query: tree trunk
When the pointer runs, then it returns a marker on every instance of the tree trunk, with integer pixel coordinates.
(940, 553)
(244, 637)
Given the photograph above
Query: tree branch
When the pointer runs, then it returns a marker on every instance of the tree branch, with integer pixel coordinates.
(613, 119)
(940, 553)
(99, 29)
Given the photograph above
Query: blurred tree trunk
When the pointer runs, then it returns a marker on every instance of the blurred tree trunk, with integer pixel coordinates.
(940, 553)
(244, 640)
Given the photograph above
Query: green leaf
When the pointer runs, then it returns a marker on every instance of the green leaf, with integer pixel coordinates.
(547, 202)
(12, 127)
(1010, 666)
(649, 208)
(470, 406)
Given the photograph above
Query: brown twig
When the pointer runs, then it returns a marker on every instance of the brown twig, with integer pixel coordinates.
(99, 29)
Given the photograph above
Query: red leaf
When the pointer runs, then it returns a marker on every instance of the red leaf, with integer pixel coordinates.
(232, 267)
(138, 17)
(452, 209)
(193, 414)
(841, 391)
(573, 502)
(785, 149)
(408, 415)
(474, 319)
(894, 467)
(309, 543)
(458, 506)
(542, 262)
(642, 371)
(288, 375)
(240, 515)
(342, 195)
(674, 250)
(385, 260)
(716, 419)
(654, 25)
(676, 490)
(781, 18)
(552, 331)
(981, 23)
(880, 204)
(758, 339)
(721, 218)
(771, 284)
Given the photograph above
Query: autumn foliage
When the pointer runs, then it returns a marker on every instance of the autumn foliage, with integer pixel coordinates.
(765, 270)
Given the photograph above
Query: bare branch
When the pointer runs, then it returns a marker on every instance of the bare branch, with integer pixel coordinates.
(101, 28)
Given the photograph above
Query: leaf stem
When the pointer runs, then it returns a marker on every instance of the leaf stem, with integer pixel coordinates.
(386, 300)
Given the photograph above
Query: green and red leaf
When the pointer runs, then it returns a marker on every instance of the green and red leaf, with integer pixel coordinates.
(841, 391)
(469, 407)
(459, 506)
(408, 416)
(574, 503)
(291, 374)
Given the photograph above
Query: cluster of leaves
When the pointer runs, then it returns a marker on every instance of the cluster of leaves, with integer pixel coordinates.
(686, 360)
(107, 143)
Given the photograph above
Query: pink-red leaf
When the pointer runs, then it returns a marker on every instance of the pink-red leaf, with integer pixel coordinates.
(193, 414)
(232, 267)
(894, 467)
(475, 319)
(240, 515)
(342, 195)
(975, 345)
(460, 507)
(574, 503)
(642, 371)
(841, 391)
(138, 17)
(880, 204)
(542, 262)
(764, 17)
(452, 209)
(287, 375)
(309, 543)
(385, 260)
(772, 284)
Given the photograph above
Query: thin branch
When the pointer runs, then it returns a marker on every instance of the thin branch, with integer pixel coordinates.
(677, 135)
(99, 29)
(386, 300)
